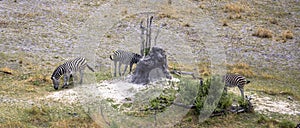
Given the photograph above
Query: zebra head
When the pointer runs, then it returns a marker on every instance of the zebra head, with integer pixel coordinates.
(55, 82)
(58, 72)
(136, 58)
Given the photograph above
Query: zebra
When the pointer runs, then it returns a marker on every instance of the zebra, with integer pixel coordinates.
(68, 69)
(232, 80)
(126, 58)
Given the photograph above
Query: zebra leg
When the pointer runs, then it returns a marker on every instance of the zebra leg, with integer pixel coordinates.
(81, 76)
(130, 67)
(125, 69)
(242, 91)
(120, 68)
(115, 70)
(66, 80)
(75, 78)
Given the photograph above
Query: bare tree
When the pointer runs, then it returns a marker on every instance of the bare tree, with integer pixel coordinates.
(146, 46)
(154, 64)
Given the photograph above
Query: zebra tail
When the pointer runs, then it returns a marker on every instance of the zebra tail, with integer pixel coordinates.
(90, 68)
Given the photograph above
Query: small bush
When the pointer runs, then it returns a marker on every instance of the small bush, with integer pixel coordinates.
(263, 33)
(287, 34)
(235, 7)
(202, 96)
(273, 21)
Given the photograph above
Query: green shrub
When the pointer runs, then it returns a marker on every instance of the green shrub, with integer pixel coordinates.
(215, 85)
(287, 124)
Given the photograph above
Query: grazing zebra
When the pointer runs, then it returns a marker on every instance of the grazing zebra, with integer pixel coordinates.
(232, 80)
(68, 69)
(126, 58)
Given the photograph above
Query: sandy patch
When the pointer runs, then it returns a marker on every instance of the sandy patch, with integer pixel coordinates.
(68, 96)
(120, 91)
(266, 105)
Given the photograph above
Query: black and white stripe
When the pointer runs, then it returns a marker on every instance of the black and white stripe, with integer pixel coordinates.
(126, 58)
(233, 80)
(68, 69)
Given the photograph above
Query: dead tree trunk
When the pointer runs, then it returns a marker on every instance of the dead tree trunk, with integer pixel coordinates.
(142, 39)
(156, 60)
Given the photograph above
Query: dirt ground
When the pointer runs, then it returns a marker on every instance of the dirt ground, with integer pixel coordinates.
(36, 36)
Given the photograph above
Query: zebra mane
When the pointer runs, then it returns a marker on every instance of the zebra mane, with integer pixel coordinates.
(56, 74)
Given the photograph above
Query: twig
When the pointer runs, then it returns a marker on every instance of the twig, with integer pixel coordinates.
(155, 38)
(185, 106)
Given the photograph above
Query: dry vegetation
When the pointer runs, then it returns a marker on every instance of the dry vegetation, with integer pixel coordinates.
(235, 7)
(242, 69)
(24, 82)
(263, 33)
(287, 34)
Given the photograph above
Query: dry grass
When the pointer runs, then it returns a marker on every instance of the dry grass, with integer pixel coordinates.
(224, 22)
(38, 79)
(180, 67)
(235, 16)
(204, 69)
(242, 69)
(4, 24)
(267, 76)
(287, 34)
(235, 7)
(263, 33)
(167, 11)
(202, 6)
(273, 21)
(7, 70)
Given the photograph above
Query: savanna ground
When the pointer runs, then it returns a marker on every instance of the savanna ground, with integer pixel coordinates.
(260, 39)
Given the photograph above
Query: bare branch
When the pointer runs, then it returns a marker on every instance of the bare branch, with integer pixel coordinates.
(147, 32)
(149, 42)
(142, 50)
(155, 38)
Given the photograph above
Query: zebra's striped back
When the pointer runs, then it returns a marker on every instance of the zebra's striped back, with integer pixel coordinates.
(69, 66)
(68, 69)
(125, 57)
(232, 80)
